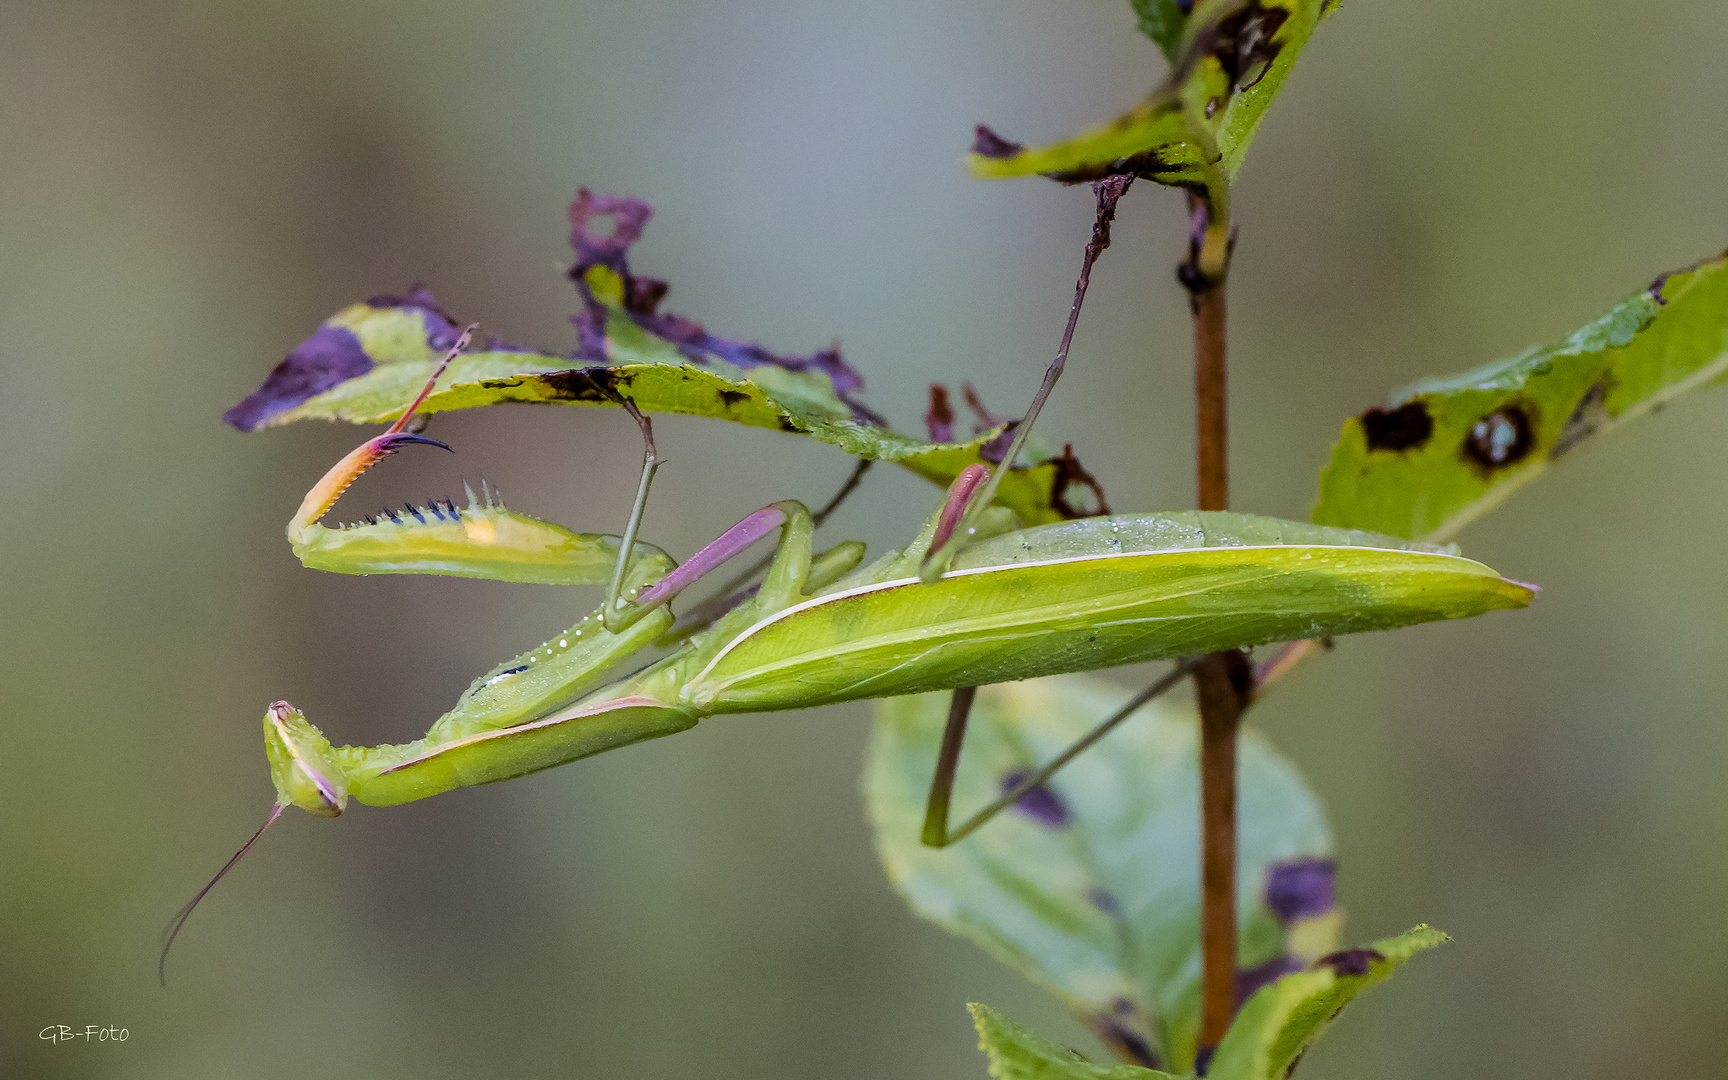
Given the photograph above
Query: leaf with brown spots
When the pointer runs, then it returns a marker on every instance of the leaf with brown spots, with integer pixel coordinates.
(1229, 58)
(1446, 451)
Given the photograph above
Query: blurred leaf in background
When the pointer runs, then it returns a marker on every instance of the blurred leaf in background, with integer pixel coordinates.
(1090, 885)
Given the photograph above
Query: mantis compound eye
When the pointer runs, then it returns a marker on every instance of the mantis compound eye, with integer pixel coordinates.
(302, 767)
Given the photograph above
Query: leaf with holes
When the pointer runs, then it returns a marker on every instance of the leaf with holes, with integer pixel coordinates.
(1090, 887)
(1230, 60)
(1444, 452)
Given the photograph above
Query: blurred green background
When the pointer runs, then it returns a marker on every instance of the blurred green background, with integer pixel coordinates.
(187, 189)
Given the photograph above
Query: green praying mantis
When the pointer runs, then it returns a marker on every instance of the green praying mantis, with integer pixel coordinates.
(972, 599)
(1016, 604)
(823, 627)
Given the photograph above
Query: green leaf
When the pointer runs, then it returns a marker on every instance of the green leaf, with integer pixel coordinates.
(1265, 1042)
(1232, 58)
(1280, 1022)
(1101, 905)
(1446, 451)
(396, 344)
(1018, 1054)
(1162, 21)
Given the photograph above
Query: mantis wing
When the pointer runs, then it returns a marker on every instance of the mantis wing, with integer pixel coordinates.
(1090, 594)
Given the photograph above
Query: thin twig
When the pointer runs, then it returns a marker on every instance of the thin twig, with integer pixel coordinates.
(1109, 191)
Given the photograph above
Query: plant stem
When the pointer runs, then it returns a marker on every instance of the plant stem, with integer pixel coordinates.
(1220, 713)
(1209, 398)
(1221, 678)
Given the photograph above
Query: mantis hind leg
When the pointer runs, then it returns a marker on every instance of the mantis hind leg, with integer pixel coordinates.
(936, 833)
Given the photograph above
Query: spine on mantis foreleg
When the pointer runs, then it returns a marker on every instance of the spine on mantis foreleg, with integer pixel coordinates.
(482, 539)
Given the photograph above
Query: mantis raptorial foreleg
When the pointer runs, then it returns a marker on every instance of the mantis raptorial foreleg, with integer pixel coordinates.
(481, 539)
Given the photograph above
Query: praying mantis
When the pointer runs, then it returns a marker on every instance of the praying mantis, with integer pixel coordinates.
(823, 628)
(972, 599)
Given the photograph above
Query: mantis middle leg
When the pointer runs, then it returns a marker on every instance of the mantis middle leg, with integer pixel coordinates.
(936, 833)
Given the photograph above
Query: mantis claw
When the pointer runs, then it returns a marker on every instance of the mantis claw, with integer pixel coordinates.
(389, 442)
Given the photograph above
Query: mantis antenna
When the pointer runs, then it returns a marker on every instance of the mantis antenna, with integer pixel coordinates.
(426, 391)
(1108, 190)
(318, 500)
(172, 930)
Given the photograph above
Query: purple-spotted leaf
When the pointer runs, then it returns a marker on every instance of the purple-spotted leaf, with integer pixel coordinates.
(1090, 886)
(1267, 1038)
(1444, 452)
(1281, 1021)
(367, 362)
(621, 320)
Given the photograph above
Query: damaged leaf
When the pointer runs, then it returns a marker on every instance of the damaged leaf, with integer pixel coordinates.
(1092, 889)
(1227, 65)
(1277, 1025)
(368, 361)
(1265, 1041)
(1445, 451)
(621, 322)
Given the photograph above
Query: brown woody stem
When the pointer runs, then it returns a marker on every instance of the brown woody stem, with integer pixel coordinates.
(1221, 680)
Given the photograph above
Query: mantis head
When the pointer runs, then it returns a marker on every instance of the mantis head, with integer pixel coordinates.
(302, 766)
